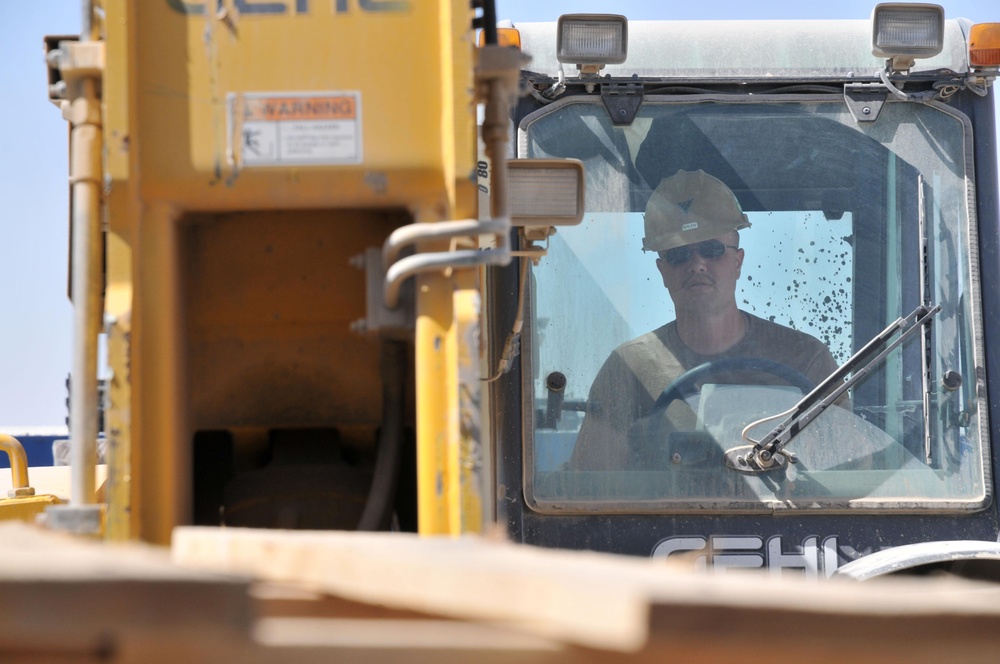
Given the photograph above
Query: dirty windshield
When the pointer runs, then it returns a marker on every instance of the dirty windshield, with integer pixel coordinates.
(732, 256)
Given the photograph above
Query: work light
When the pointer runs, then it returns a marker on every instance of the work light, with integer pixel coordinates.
(902, 32)
(545, 192)
(592, 40)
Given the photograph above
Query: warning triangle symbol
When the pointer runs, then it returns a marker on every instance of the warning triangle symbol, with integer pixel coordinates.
(686, 205)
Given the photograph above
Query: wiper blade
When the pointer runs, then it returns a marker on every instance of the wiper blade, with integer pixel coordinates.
(767, 453)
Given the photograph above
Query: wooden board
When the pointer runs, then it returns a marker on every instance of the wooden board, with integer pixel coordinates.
(63, 598)
(67, 599)
(327, 596)
(632, 609)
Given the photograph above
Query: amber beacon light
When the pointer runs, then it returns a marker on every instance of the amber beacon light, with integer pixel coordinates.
(984, 45)
(505, 37)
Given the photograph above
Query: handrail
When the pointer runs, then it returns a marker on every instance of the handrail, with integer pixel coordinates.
(18, 466)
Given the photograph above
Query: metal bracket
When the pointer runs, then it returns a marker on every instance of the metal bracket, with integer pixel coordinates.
(395, 323)
(622, 101)
(865, 100)
(75, 519)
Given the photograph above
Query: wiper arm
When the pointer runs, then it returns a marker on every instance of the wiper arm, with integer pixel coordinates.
(768, 453)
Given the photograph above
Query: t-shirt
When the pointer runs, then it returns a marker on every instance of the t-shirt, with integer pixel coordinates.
(638, 371)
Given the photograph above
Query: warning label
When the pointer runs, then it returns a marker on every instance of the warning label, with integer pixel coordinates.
(289, 129)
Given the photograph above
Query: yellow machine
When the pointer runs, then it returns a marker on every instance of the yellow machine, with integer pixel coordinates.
(313, 291)
(232, 197)
(314, 321)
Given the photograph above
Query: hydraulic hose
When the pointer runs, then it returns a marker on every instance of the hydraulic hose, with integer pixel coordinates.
(382, 494)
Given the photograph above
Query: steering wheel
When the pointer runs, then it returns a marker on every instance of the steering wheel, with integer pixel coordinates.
(685, 385)
(647, 446)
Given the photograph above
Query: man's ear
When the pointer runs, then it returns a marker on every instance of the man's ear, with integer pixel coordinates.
(739, 262)
(661, 266)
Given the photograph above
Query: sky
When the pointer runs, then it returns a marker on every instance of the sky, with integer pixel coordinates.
(36, 331)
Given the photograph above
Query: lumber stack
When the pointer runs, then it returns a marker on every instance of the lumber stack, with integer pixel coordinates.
(276, 596)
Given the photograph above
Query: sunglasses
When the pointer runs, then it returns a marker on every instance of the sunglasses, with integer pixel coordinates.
(707, 249)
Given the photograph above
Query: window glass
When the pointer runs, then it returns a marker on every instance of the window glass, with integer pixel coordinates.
(833, 256)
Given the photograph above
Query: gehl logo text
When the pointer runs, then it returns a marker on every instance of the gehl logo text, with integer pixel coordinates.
(271, 8)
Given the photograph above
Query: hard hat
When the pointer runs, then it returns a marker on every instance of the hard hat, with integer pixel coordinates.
(690, 207)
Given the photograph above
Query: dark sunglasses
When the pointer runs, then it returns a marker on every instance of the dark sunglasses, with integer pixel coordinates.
(706, 249)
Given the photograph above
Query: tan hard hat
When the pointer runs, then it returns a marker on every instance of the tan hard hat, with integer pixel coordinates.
(690, 207)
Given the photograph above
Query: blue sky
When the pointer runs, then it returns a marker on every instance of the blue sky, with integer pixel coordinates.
(35, 336)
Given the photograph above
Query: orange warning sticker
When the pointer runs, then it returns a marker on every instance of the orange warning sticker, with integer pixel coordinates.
(276, 109)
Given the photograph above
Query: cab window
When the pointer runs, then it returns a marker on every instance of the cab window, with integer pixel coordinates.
(853, 226)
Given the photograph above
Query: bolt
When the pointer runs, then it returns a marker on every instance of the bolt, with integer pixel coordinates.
(377, 181)
(952, 380)
(866, 110)
(675, 458)
(20, 492)
(556, 381)
(621, 112)
(764, 456)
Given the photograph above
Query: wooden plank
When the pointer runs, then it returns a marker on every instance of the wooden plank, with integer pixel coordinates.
(875, 634)
(63, 598)
(382, 597)
(644, 610)
(466, 578)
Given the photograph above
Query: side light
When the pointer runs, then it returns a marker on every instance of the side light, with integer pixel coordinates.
(903, 32)
(545, 192)
(505, 37)
(592, 39)
(984, 45)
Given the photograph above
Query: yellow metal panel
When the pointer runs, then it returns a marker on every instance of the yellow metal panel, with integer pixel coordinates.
(26, 508)
(118, 420)
(173, 161)
(121, 203)
(118, 110)
(451, 484)
(403, 64)
(437, 405)
(160, 429)
(473, 485)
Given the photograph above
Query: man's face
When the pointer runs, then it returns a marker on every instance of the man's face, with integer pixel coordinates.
(703, 285)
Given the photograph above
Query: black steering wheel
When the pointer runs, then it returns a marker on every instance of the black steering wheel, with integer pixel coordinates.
(685, 385)
(649, 448)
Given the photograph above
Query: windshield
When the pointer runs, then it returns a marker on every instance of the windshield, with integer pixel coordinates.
(851, 227)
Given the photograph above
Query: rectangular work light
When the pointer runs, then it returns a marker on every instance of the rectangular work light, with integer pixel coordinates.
(545, 192)
(592, 39)
(903, 32)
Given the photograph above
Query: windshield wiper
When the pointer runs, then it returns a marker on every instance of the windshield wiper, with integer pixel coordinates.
(768, 453)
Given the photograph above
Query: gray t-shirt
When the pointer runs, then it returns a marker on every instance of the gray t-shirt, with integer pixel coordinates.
(638, 371)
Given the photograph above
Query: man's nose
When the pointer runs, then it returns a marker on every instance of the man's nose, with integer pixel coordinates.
(697, 262)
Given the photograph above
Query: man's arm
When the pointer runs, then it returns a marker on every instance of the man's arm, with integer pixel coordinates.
(602, 443)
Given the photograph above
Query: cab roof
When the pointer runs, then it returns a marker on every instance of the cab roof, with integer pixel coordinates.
(794, 49)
